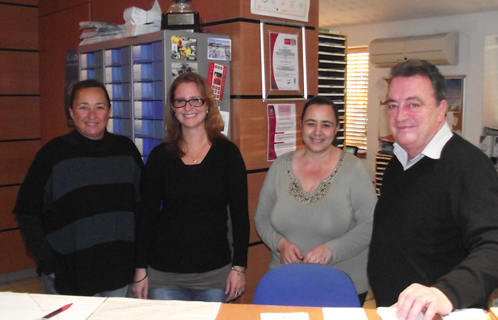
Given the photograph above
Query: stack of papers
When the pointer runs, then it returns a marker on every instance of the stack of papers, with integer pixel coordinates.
(137, 21)
(97, 31)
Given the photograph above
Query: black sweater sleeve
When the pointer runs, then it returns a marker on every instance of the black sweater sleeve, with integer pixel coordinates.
(151, 191)
(238, 206)
(472, 281)
(30, 207)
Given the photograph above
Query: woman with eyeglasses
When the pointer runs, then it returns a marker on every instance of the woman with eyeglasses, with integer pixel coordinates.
(191, 184)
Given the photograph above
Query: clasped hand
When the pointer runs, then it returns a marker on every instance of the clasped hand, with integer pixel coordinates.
(290, 253)
(418, 298)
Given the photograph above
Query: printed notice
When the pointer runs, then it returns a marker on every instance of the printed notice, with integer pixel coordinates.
(217, 75)
(284, 64)
(281, 129)
(289, 9)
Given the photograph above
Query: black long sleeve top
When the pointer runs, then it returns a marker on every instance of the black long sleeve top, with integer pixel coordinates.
(182, 226)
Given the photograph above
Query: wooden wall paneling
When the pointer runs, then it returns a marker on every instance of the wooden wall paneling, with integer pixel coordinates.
(14, 256)
(19, 72)
(46, 7)
(60, 32)
(22, 33)
(312, 61)
(254, 182)
(257, 265)
(253, 129)
(235, 122)
(20, 118)
(233, 9)
(15, 159)
(103, 11)
(246, 56)
(245, 65)
(24, 2)
(7, 202)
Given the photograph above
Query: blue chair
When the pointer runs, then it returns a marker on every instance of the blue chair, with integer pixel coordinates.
(306, 285)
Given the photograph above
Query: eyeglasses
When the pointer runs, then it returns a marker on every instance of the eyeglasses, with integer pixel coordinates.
(181, 103)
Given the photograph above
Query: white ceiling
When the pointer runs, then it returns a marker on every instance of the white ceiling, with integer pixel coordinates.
(337, 13)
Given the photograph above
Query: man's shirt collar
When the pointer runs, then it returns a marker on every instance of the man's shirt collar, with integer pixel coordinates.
(432, 150)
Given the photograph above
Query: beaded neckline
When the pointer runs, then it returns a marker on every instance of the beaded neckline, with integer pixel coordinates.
(296, 190)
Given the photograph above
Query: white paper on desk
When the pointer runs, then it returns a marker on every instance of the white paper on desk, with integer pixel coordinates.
(26, 306)
(138, 309)
(388, 313)
(285, 316)
(466, 314)
(461, 314)
(344, 314)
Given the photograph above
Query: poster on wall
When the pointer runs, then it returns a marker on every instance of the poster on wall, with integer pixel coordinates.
(284, 63)
(281, 129)
(290, 9)
(454, 97)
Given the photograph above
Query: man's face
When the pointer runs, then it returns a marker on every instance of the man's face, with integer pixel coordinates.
(414, 116)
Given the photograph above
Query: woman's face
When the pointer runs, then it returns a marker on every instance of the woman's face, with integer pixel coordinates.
(190, 116)
(90, 112)
(319, 127)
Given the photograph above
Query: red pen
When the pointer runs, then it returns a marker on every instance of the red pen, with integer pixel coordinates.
(56, 312)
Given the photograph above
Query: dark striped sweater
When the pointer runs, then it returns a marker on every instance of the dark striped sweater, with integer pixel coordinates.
(76, 209)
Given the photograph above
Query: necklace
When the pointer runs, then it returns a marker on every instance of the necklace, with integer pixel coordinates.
(194, 159)
(296, 190)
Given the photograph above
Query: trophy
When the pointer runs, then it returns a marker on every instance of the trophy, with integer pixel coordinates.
(181, 16)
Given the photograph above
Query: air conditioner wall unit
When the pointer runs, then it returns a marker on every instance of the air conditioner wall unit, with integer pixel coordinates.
(439, 49)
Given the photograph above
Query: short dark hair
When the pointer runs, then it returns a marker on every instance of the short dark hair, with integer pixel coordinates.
(320, 100)
(424, 68)
(89, 83)
(213, 122)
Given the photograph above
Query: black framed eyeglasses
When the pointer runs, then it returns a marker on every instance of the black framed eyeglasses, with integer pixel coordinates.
(181, 103)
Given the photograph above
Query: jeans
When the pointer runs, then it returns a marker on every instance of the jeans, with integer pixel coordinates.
(209, 295)
(48, 288)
